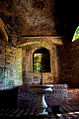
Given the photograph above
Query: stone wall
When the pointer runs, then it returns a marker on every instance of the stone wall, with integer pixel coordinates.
(10, 65)
(64, 63)
(74, 63)
(68, 58)
(29, 46)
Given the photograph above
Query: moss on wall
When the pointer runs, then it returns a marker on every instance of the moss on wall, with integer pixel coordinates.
(10, 65)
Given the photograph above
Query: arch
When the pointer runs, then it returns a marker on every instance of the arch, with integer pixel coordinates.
(41, 60)
(3, 33)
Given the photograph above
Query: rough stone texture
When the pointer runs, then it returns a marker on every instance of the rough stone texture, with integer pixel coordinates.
(40, 18)
(36, 43)
(73, 69)
(23, 17)
(10, 65)
(68, 60)
(26, 98)
(58, 96)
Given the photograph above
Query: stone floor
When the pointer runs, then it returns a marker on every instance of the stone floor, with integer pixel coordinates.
(66, 112)
(69, 111)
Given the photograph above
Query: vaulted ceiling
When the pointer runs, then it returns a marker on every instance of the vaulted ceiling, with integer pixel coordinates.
(39, 17)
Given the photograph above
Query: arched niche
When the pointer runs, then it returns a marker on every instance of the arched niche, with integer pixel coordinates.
(41, 60)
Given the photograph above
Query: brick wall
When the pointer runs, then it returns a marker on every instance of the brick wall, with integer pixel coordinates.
(68, 61)
(74, 61)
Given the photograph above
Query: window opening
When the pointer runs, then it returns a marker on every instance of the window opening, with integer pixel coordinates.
(41, 60)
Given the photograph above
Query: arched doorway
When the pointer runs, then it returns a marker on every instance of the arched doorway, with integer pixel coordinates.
(41, 60)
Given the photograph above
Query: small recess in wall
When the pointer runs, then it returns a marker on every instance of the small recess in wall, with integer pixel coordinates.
(35, 78)
(38, 5)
